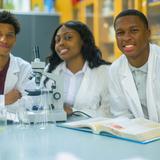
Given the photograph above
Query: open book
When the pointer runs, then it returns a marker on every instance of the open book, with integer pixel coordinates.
(138, 130)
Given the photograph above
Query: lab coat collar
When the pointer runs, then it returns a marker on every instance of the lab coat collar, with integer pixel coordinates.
(152, 60)
(62, 68)
(152, 66)
(12, 74)
(13, 64)
(143, 68)
(130, 88)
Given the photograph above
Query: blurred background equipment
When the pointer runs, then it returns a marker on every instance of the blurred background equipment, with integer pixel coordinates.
(97, 14)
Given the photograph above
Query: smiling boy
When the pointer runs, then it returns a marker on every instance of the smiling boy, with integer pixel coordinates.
(135, 76)
(14, 71)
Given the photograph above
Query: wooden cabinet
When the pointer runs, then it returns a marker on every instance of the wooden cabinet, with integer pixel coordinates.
(87, 12)
(108, 9)
(100, 21)
(152, 10)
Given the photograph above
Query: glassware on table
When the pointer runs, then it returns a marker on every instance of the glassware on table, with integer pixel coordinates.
(22, 115)
(3, 118)
(44, 107)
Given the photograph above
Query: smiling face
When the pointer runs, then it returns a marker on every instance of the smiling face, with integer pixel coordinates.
(7, 39)
(68, 44)
(132, 37)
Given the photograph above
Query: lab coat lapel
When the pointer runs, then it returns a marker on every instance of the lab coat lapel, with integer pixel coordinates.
(11, 77)
(130, 90)
(151, 105)
(81, 95)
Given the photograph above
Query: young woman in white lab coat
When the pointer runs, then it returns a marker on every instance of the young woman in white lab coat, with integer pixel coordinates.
(135, 76)
(14, 71)
(75, 56)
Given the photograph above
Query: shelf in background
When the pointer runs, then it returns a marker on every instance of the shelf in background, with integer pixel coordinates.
(155, 37)
(154, 8)
(108, 42)
(154, 4)
(110, 15)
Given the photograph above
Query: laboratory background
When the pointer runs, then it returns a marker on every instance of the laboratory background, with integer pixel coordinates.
(39, 18)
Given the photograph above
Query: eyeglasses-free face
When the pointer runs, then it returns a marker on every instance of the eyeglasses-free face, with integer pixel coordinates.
(7, 38)
(68, 44)
(132, 36)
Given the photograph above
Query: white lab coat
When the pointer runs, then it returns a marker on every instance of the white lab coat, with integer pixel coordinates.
(17, 77)
(124, 99)
(92, 97)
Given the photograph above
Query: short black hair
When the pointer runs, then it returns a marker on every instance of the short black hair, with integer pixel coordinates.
(9, 18)
(132, 12)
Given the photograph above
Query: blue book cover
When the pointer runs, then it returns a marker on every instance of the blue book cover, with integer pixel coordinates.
(137, 130)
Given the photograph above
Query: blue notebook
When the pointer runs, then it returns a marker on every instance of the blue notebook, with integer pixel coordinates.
(138, 130)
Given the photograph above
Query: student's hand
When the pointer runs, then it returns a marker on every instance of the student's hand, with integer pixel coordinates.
(12, 96)
(68, 109)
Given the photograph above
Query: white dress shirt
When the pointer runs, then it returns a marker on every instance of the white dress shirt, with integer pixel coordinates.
(72, 82)
(140, 78)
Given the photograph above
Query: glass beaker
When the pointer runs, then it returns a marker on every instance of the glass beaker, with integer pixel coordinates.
(44, 107)
(22, 114)
(3, 118)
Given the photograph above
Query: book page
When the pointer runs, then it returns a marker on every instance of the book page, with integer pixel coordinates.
(112, 126)
(94, 123)
(87, 123)
(138, 129)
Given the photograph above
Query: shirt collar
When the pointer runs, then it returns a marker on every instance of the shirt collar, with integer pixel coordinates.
(66, 70)
(143, 68)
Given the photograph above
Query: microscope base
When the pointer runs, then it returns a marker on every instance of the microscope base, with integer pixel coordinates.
(45, 116)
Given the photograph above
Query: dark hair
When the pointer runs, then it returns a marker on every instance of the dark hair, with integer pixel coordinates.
(8, 18)
(89, 50)
(132, 12)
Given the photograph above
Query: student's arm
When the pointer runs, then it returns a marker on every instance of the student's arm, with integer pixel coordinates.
(19, 92)
(68, 109)
(12, 96)
(24, 81)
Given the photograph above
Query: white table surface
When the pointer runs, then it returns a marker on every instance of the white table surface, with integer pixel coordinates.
(34, 143)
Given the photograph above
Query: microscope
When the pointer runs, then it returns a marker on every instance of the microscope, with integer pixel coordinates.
(52, 98)
(37, 66)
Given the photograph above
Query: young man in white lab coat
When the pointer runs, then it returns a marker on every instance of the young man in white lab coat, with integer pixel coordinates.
(14, 71)
(135, 76)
